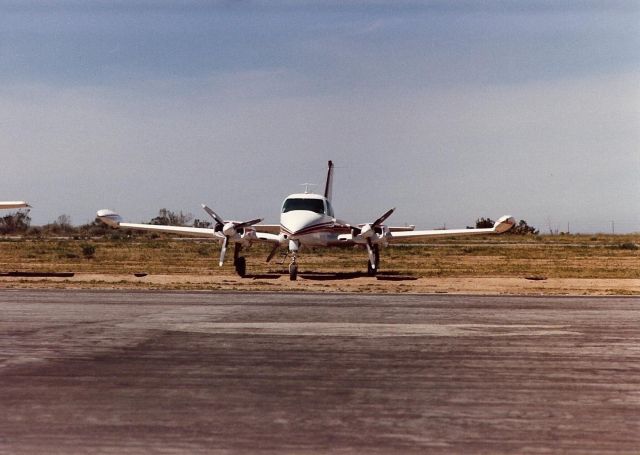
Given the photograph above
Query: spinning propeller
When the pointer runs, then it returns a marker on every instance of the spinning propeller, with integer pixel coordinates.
(228, 228)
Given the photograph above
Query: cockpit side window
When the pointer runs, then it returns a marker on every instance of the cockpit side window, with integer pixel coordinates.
(312, 205)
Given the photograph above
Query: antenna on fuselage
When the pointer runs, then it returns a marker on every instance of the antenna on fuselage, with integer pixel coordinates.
(306, 187)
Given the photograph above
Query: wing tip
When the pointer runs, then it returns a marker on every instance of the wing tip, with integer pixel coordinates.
(109, 217)
(504, 224)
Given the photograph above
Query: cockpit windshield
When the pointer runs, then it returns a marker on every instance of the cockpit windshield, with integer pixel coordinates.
(312, 205)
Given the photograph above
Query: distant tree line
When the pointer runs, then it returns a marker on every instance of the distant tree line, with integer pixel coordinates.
(19, 223)
(15, 223)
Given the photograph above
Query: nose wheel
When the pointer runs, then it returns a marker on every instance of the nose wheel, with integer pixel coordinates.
(293, 271)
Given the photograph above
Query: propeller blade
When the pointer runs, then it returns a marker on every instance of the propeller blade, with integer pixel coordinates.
(380, 220)
(223, 250)
(273, 252)
(372, 258)
(213, 214)
(248, 223)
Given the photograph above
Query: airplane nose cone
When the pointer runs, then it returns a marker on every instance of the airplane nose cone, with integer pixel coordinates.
(300, 222)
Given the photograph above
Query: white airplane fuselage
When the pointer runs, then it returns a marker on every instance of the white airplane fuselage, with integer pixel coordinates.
(308, 220)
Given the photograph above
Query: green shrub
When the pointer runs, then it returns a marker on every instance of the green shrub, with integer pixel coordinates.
(88, 251)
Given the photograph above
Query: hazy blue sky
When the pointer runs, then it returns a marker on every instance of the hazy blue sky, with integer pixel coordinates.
(447, 110)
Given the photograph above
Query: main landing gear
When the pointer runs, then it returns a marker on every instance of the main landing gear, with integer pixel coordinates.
(239, 262)
(372, 269)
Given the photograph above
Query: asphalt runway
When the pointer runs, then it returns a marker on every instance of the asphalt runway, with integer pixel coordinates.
(235, 373)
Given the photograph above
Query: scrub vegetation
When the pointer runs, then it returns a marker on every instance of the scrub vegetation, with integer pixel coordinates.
(118, 252)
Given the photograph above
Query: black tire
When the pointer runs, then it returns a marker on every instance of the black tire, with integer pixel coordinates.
(241, 266)
(370, 270)
(293, 272)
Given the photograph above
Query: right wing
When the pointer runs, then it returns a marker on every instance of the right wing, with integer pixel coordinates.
(111, 218)
(270, 228)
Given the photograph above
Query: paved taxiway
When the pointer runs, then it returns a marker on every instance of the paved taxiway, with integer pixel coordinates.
(147, 372)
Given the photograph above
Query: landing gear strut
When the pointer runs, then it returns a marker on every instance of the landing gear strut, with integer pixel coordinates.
(293, 265)
(372, 269)
(239, 262)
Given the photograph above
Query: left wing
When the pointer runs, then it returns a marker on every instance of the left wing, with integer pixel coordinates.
(502, 225)
(376, 234)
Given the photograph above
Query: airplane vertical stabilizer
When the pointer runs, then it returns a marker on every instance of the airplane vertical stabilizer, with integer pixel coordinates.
(328, 188)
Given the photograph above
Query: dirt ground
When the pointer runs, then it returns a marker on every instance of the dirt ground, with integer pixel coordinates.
(350, 283)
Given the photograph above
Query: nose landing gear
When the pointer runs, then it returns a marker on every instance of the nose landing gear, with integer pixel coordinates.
(294, 245)
(293, 270)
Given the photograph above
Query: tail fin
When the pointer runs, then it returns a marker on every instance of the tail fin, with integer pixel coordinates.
(328, 188)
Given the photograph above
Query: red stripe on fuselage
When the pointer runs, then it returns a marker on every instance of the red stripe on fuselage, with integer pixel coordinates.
(322, 227)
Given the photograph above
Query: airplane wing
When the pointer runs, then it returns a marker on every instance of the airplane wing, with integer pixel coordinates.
(268, 237)
(502, 225)
(270, 228)
(411, 227)
(184, 230)
(112, 219)
(13, 205)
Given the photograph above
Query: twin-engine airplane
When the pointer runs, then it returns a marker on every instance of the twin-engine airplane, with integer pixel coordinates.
(13, 205)
(306, 220)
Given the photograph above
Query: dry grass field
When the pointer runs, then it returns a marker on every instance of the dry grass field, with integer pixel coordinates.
(193, 263)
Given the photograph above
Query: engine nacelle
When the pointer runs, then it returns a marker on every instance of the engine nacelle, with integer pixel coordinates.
(377, 235)
(382, 235)
(229, 229)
